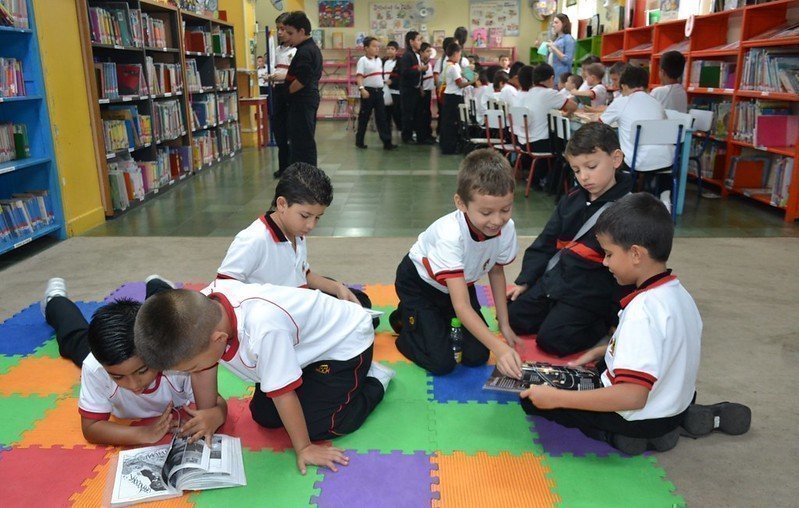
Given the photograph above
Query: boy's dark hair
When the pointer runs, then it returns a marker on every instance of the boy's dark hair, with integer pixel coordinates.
(503, 55)
(409, 37)
(446, 42)
(634, 77)
(564, 77)
(460, 35)
(617, 68)
(639, 219)
(482, 76)
(304, 184)
(173, 326)
(526, 77)
(500, 78)
(597, 70)
(299, 21)
(577, 79)
(368, 40)
(484, 171)
(592, 137)
(424, 46)
(110, 332)
(393, 44)
(281, 19)
(672, 63)
(515, 68)
(452, 49)
(542, 72)
(589, 59)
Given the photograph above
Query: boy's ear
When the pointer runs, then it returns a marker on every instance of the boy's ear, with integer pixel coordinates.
(617, 157)
(281, 203)
(459, 203)
(638, 253)
(218, 336)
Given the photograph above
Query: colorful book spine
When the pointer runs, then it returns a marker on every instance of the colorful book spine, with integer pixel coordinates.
(14, 13)
(12, 80)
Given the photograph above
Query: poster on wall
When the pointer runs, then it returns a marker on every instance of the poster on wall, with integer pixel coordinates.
(336, 13)
(495, 14)
(669, 9)
(392, 21)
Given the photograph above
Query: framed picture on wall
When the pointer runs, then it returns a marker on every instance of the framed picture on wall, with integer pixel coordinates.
(571, 3)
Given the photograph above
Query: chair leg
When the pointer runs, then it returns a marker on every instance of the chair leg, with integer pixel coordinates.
(698, 177)
(516, 167)
(530, 177)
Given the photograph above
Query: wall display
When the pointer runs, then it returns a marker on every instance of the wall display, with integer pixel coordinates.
(495, 13)
(389, 21)
(669, 9)
(336, 13)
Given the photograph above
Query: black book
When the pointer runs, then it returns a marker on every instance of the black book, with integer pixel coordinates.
(538, 373)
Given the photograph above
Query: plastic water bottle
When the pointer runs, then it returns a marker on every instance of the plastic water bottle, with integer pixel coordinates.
(456, 339)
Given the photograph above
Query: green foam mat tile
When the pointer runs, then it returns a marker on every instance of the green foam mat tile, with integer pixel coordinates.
(6, 362)
(21, 414)
(490, 428)
(273, 480)
(49, 350)
(490, 316)
(411, 383)
(384, 324)
(611, 481)
(230, 385)
(394, 425)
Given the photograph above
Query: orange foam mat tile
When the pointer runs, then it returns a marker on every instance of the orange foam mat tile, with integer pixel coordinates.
(382, 295)
(59, 427)
(481, 480)
(386, 350)
(40, 376)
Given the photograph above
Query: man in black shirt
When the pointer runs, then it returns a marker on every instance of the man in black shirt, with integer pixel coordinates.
(303, 81)
(411, 70)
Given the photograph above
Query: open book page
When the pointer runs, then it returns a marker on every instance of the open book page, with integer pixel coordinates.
(138, 476)
(558, 376)
(225, 468)
(183, 458)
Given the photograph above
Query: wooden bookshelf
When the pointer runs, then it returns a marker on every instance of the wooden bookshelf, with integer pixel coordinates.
(712, 38)
(174, 145)
(36, 171)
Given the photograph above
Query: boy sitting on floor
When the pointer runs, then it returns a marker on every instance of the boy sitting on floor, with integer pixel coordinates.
(563, 293)
(309, 354)
(650, 365)
(435, 280)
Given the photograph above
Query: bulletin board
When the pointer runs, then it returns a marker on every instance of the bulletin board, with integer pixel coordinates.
(392, 20)
(495, 14)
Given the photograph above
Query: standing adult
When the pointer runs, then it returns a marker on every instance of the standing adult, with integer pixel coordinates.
(561, 50)
(302, 78)
(411, 70)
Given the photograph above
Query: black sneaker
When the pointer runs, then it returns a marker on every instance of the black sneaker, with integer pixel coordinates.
(395, 321)
(390, 147)
(638, 445)
(361, 146)
(729, 417)
(277, 174)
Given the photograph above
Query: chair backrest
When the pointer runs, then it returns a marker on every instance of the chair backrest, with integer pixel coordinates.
(463, 113)
(472, 110)
(658, 132)
(685, 118)
(703, 119)
(560, 125)
(492, 103)
(520, 117)
(495, 119)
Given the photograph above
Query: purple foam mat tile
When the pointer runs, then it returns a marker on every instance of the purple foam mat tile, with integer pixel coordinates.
(359, 287)
(132, 290)
(484, 295)
(558, 440)
(372, 479)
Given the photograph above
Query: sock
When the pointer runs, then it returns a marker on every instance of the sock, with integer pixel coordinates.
(381, 373)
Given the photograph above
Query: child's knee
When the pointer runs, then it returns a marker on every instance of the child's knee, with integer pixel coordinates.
(267, 421)
(554, 343)
(442, 367)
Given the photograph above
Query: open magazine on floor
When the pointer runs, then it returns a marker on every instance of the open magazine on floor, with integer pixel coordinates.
(539, 373)
(165, 471)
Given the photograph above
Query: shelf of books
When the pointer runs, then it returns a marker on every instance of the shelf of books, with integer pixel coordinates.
(743, 65)
(146, 70)
(337, 83)
(30, 196)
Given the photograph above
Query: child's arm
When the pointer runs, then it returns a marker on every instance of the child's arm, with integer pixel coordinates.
(508, 360)
(583, 93)
(619, 397)
(589, 356)
(290, 411)
(331, 287)
(211, 409)
(117, 434)
(496, 279)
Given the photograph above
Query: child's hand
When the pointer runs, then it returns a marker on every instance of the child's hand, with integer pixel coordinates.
(318, 455)
(203, 423)
(158, 429)
(516, 291)
(364, 94)
(344, 293)
(543, 397)
(591, 355)
(509, 363)
(509, 335)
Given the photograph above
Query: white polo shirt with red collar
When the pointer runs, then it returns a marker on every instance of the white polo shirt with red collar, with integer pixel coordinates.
(261, 254)
(453, 247)
(281, 330)
(539, 100)
(100, 396)
(657, 345)
(371, 70)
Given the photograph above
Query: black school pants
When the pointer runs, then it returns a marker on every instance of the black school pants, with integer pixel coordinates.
(425, 129)
(72, 329)
(562, 328)
(302, 131)
(409, 104)
(336, 397)
(426, 314)
(279, 122)
(449, 120)
(373, 102)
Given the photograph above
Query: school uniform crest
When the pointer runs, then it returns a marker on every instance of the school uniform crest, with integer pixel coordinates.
(323, 369)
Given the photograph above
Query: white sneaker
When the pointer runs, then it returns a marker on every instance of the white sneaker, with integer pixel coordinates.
(665, 197)
(55, 287)
(156, 276)
(381, 373)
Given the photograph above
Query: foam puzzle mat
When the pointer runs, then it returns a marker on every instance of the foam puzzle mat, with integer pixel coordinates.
(433, 441)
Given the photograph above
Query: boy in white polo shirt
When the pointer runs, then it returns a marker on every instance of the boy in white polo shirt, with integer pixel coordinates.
(650, 365)
(539, 97)
(309, 355)
(672, 94)
(596, 91)
(369, 77)
(435, 280)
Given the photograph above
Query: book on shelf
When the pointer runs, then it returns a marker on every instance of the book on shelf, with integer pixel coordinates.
(154, 31)
(495, 36)
(155, 174)
(771, 70)
(783, 173)
(115, 134)
(776, 130)
(167, 120)
(138, 127)
(115, 23)
(12, 79)
(14, 13)
(178, 160)
(193, 78)
(225, 78)
(222, 41)
(538, 373)
(228, 107)
(748, 112)
(130, 183)
(228, 139)
(198, 40)
(105, 74)
(681, 46)
(787, 29)
(748, 172)
(25, 213)
(204, 149)
(318, 35)
(14, 142)
(479, 37)
(337, 40)
(165, 471)
(163, 77)
(203, 110)
(713, 74)
(711, 159)
(131, 80)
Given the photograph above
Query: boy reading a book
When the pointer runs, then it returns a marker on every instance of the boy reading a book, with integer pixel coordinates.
(563, 293)
(309, 355)
(435, 280)
(650, 365)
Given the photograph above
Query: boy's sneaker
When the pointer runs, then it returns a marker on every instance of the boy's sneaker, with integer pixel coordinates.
(381, 373)
(638, 445)
(155, 276)
(55, 287)
(395, 321)
(729, 417)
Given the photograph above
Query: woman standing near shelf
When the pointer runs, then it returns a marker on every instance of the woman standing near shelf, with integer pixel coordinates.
(281, 59)
(561, 50)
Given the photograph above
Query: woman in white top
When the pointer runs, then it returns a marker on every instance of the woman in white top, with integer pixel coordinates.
(453, 97)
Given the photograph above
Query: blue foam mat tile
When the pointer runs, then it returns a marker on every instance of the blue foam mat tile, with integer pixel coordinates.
(23, 333)
(465, 384)
(29, 315)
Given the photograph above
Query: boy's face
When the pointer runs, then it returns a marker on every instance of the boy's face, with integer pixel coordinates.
(416, 43)
(373, 49)
(596, 171)
(391, 52)
(132, 374)
(259, 61)
(620, 262)
(426, 54)
(504, 62)
(281, 33)
(614, 79)
(298, 219)
(591, 79)
(570, 85)
(293, 36)
(487, 213)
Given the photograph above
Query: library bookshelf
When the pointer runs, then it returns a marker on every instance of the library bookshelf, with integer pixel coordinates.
(36, 170)
(725, 38)
(182, 122)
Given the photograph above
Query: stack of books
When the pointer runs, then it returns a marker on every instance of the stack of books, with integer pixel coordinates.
(222, 41)
(228, 107)
(14, 13)
(167, 120)
(203, 111)
(12, 80)
(164, 77)
(712, 74)
(138, 128)
(747, 114)
(115, 23)
(205, 149)
(25, 213)
(225, 78)
(14, 143)
(154, 31)
(228, 139)
(769, 70)
(193, 80)
(197, 40)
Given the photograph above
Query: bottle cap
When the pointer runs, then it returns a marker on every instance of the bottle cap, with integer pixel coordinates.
(456, 323)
